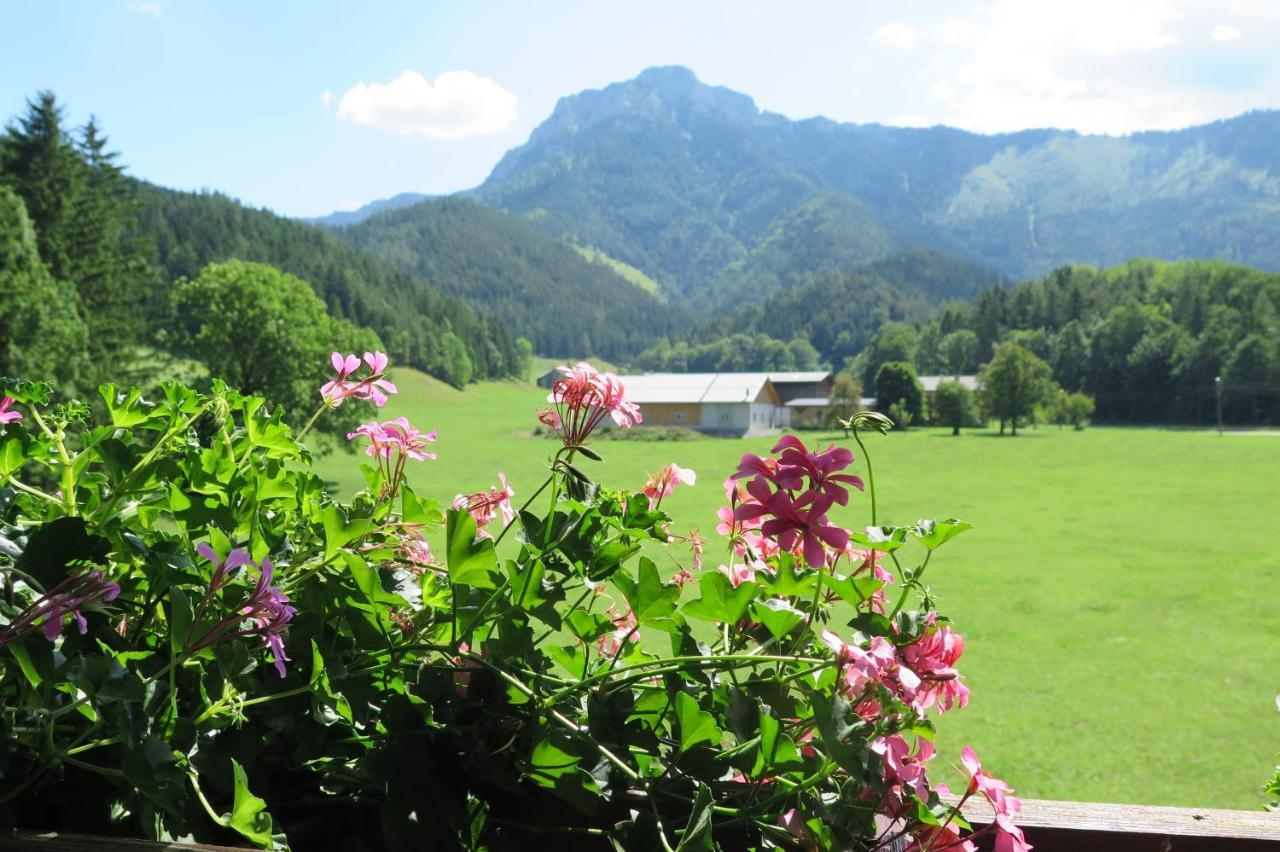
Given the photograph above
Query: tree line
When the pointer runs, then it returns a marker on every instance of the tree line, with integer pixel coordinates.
(1146, 339)
(92, 262)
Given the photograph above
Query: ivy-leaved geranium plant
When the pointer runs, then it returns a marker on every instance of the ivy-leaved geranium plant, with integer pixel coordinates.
(198, 641)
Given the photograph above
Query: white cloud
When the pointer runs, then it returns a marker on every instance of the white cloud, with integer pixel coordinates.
(898, 35)
(1087, 65)
(152, 9)
(1225, 32)
(456, 104)
(326, 99)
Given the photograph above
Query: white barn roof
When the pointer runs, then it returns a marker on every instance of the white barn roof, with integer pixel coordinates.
(799, 377)
(694, 387)
(930, 383)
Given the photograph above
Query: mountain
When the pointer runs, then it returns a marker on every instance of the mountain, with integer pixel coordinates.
(839, 310)
(421, 326)
(338, 218)
(564, 300)
(723, 203)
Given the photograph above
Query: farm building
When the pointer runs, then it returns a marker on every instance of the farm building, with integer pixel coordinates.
(929, 384)
(720, 403)
(806, 395)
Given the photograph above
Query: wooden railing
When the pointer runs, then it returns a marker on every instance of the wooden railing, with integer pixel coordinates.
(1049, 826)
(1071, 826)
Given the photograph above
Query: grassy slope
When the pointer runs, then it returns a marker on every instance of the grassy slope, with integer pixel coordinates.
(625, 271)
(1118, 595)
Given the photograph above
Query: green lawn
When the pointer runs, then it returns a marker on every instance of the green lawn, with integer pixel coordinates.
(1120, 595)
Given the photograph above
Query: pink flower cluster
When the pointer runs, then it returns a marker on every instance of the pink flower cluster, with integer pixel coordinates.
(792, 493)
(392, 444)
(373, 387)
(662, 483)
(484, 506)
(581, 398)
(7, 416)
(266, 610)
(65, 601)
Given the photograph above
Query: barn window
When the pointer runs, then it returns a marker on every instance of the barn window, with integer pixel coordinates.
(679, 416)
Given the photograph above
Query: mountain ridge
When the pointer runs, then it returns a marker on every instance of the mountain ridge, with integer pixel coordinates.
(682, 180)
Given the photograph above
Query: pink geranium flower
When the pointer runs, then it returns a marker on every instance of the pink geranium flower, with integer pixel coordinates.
(484, 506)
(819, 467)
(373, 387)
(625, 630)
(662, 483)
(7, 416)
(65, 602)
(933, 657)
(582, 397)
(803, 524)
(1009, 837)
(392, 444)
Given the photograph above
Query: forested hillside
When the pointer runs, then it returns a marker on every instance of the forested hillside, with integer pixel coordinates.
(421, 326)
(1147, 338)
(834, 313)
(90, 260)
(539, 286)
(720, 202)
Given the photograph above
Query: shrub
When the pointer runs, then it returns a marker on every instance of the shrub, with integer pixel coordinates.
(199, 641)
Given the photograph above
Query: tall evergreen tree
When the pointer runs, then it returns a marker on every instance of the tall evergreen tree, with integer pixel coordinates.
(42, 335)
(40, 163)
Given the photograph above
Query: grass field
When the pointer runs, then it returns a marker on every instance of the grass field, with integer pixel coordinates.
(1120, 594)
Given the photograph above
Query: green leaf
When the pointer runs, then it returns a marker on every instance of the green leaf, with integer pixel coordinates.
(883, 539)
(180, 615)
(784, 582)
(548, 762)
(471, 560)
(588, 626)
(248, 812)
(777, 615)
(652, 601)
(720, 601)
(125, 409)
(337, 532)
(855, 590)
(12, 455)
(934, 534)
(696, 836)
(777, 751)
(322, 693)
(696, 725)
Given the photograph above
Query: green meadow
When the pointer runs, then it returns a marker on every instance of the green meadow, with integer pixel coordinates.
(1119, 595)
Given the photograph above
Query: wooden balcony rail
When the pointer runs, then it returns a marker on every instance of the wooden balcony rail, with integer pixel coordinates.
(1049, 826)
(1071, 826)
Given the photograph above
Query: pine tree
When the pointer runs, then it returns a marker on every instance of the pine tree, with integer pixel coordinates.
(42, 335)
(40, 163)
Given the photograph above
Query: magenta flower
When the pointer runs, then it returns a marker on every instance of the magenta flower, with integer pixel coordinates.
(269, 611)
(820, 467)
(803, 524)
(583, 396)
(7, 416)
(65, 601)
(392, 444)
(373, 387)
(485, 505)
(662, 483)
(266, 609)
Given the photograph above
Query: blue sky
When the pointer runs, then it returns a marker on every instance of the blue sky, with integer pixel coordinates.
(307, 107)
